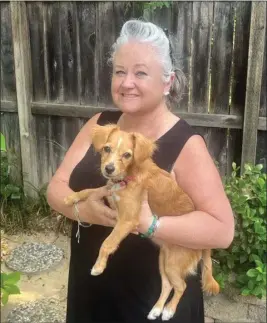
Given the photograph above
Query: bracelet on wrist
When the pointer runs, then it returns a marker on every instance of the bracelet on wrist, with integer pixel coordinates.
(76, 214)
(152, 229)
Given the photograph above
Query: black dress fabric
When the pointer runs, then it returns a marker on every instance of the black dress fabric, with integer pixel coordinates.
(130, 285)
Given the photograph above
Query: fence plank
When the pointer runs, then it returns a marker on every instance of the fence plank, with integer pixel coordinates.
(105, 37)
(181, 28)
(87, 37)
(253, 89)
(201, 45)
(239, 75)
(8, 85)
(23, 74)
(55, 64)
(220, 78)
(35, 21)
(68, 31)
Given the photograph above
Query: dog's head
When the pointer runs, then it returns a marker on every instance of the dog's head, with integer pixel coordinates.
(120, 150)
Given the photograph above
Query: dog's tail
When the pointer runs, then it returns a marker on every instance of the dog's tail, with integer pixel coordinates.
(209, 284)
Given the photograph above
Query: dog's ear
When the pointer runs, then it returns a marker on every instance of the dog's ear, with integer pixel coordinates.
(100, 135)
(143, 147)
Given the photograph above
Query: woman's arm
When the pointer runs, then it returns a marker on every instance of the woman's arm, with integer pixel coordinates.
(212, 224)
(93, 210)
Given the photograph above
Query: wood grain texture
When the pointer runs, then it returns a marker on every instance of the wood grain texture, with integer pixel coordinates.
(254, 82)
(22, 58)
(8, 83)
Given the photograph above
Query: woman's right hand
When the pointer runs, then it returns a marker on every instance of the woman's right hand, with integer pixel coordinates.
(94, 210)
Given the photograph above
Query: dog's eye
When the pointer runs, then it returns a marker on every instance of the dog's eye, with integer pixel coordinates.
(107, 149)
(127, 155)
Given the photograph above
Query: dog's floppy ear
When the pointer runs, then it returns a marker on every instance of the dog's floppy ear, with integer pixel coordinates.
(143, 147)
(100, 134)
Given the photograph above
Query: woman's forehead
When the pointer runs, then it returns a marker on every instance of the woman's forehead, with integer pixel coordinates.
(136, 54)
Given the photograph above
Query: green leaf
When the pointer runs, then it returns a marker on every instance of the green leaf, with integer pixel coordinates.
(257, 291)
(2, 142)
(12, 278)
(243, 258)
(12, 289)
(245, 292)
(251, 284)
(259, 278)
(4, 297)
(252, 273)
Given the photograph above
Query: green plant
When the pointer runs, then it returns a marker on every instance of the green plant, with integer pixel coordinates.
(246, 257)
(9, 285)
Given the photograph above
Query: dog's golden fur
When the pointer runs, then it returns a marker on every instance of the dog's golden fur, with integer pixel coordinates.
(129, 154)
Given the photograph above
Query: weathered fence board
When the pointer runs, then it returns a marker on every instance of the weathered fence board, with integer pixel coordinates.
(22, 59)
(8, 85)
(221, 58)
(36, 30)
(200, 62)
(105, 38)
(87, 40)
(253, 88)
(181, 28)
(239, 75)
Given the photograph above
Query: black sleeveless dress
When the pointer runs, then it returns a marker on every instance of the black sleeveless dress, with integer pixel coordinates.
(130, 285)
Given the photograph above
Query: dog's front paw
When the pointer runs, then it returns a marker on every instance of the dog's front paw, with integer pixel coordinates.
(71, 199)
(95, 271)
(154, 313)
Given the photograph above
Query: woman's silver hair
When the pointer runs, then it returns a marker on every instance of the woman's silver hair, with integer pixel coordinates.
(147, 32)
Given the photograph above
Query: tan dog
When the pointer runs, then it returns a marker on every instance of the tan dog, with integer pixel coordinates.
(126, 159)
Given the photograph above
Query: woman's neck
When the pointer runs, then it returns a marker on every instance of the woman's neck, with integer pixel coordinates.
(152, 124)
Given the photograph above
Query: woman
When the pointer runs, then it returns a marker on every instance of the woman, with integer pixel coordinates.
(143, 83)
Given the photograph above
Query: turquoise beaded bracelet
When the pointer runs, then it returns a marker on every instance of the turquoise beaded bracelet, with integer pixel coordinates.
(151, 229)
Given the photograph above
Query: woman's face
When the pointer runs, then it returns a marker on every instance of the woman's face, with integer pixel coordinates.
(137, 85)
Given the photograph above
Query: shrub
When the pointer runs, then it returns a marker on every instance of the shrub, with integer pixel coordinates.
(245, 260)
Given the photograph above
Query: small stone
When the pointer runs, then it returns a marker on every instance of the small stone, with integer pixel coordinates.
(34, 257)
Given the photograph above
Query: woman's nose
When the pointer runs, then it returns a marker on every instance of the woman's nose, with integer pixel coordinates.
(128, 81)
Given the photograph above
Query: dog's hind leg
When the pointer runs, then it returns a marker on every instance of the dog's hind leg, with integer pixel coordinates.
(165, 290)
(109, 246)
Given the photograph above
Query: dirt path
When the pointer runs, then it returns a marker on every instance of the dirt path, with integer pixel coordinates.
(48, 284)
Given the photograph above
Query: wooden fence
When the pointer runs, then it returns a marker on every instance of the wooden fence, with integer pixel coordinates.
(54, 75)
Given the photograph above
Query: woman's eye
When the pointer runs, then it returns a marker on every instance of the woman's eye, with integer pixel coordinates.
(127, 155)
(107, 149)
(119, 72)
(140, 73)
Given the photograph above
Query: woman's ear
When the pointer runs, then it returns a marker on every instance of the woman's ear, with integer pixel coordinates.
(143, 148)
(100, 135)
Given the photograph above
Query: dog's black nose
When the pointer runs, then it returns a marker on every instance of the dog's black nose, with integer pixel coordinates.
(109, 169)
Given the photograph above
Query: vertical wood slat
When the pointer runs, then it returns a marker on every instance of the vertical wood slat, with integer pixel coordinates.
(221, 59)
(87, 40)
(181, 28)
(69, 51)
(8, 84)
(200, 62)
(254, 77)
(238, 75)
(55, 64)
(46, 69)
(105, 38)
(22, 58)
(35, 21)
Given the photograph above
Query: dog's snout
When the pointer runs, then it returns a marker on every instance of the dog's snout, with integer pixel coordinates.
(109, 168)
